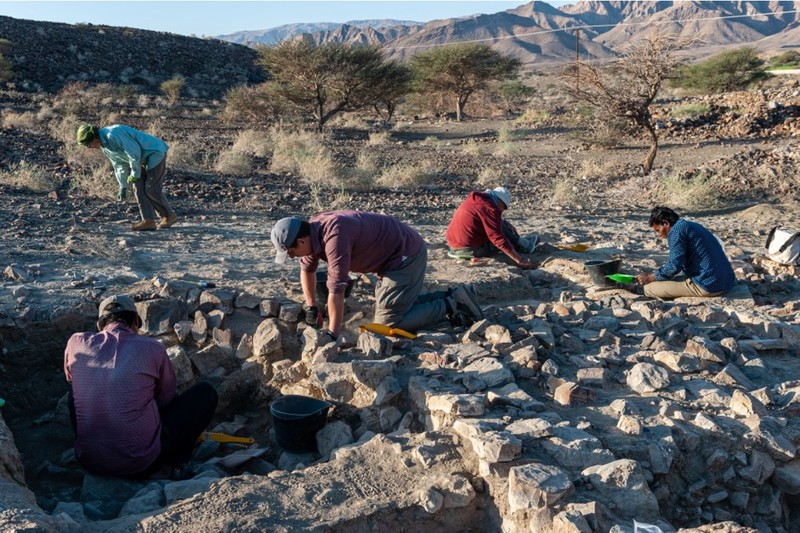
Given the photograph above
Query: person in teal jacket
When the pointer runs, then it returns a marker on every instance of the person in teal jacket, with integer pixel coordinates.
(140, 160)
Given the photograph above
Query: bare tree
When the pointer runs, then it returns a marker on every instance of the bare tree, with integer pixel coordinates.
(627, 87)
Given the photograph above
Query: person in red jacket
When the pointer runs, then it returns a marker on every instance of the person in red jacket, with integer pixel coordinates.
(479, 230)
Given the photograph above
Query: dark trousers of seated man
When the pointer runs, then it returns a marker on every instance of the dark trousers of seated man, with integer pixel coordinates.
(182, 421)
(489, 250)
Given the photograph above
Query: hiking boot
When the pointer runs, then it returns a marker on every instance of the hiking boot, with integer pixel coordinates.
(460, 319)
(144, 225)
(167, 221)
(467, 301)
(528, 244)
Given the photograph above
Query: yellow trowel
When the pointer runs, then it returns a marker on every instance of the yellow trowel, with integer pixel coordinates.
(386, 330)
(223, 438)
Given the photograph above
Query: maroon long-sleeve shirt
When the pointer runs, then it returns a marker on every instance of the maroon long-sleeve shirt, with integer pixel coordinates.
(119, 381)
(357, 241)
(478, 220)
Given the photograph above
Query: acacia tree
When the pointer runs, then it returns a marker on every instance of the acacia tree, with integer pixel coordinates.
(461, 70)
(393, 85)
(328, 79)
(627, 87)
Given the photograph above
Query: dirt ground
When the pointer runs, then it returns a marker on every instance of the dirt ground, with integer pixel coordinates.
(77, 249)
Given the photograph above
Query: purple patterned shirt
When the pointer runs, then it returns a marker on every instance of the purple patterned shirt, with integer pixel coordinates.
(119, 380)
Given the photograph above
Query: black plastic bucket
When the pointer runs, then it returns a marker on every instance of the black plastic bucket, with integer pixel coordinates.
(296, 420)
(599, 269)
(322, 285)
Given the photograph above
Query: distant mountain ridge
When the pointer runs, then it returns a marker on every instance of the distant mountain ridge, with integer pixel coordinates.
(289, 31)
(539, 32)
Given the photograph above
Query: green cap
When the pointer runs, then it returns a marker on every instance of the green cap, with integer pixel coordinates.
(86, 134)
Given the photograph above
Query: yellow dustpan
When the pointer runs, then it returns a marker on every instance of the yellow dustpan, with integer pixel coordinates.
(577, 247)
(386, 330)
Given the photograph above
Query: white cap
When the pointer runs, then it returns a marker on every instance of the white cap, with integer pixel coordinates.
(503, 194)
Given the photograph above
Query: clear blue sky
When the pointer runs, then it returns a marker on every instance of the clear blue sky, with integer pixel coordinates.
(219, 18)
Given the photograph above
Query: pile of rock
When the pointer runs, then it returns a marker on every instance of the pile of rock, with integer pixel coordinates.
(575, 415)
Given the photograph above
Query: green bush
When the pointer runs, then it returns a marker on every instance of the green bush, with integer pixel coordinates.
(729, 71)
(790, 59)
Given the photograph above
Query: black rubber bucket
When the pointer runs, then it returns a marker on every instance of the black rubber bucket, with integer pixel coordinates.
(322, 285)
(296, 420)
(599, 269)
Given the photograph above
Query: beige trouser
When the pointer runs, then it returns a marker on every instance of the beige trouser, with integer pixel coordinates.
(669, 290)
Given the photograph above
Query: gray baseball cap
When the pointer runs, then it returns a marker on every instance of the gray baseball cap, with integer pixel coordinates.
(284, 233)
(116, 304)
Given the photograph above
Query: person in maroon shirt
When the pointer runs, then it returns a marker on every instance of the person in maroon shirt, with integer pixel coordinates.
(479, 230)
(357, 241)
(127, 417)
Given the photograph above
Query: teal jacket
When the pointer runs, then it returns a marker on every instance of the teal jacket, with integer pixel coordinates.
(129, 150)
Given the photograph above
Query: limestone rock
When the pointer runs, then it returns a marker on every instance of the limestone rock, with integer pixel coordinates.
(158, 316)
(622, 482)
(334, 435)
(645, 377)
(536, 485)
(267, 342)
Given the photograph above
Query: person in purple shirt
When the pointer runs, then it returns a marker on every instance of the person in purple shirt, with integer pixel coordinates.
(127, 417)
(694, 251)
(357, 241)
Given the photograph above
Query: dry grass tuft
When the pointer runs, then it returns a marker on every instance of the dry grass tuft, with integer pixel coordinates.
(303, 153)
(474, 147)
(234, 162)
(533, 117)
(29, 176)
(489, 176)
(98, 182)
(404, 175)
(20, 121)
(255, 143)
(565, 192)
(379, 138)
(184, 156)
(693, 192)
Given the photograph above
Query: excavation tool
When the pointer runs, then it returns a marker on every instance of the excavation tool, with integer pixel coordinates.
(223, 438)
(621, 278)
(386, 330)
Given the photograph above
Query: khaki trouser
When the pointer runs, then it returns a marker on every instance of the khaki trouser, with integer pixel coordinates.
(669, 290)
(398, 302)
(149, 192)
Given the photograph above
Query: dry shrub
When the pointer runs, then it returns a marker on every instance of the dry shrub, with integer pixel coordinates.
(143, 100)
(157, 128)
(29, 176)
(184, 156)
(98, 182)
(505, 149)
(506, 134)
(690, 110)
(564, 191)
(489, 176)
(83, 159)
(172, 88)
(474, 147)
(20, 121)
(379, 138)
(255, 143)
(45, 113)
(362, 176)
(597, 168)
(533, 116)
(234, 162)
(404, 175)
(304, 154)
(432, 140)
(692, 192)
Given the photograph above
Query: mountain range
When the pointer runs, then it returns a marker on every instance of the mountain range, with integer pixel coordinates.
(538, 32)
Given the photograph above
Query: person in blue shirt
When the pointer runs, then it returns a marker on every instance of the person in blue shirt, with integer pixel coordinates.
(693, 250)
(140, 160)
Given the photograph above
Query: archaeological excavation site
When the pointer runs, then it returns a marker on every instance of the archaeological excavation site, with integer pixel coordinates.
(576, 404)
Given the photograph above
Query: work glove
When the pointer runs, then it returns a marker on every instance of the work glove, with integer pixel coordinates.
(132, 179)
(121, 194)
(314, 316)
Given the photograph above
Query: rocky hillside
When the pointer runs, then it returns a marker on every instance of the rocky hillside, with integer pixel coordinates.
(532, 33)
(48, 55)
(289, 31)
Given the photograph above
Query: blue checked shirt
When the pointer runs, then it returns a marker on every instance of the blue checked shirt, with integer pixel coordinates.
(695, 251)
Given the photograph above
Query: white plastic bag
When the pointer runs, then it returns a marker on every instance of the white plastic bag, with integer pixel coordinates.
(783, 246)
(641, 527)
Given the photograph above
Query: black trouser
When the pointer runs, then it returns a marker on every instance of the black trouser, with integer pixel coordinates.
(182, 421)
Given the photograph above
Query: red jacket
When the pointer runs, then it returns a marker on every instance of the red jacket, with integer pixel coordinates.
(478, 220)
